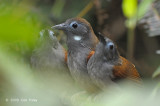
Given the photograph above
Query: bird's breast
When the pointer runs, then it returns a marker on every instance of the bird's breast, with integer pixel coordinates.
(77, 64)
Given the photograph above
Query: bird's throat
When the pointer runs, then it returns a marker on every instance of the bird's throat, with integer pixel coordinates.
(77, 38)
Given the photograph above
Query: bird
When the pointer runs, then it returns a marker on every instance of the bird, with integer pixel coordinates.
(106, 67)
(50, 54)
(81, 40)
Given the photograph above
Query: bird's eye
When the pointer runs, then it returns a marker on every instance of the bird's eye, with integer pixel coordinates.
(74, 25)
(110, 45)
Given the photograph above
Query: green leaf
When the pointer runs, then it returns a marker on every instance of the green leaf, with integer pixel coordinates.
(156, 73)
(143, 7)
(129, 8)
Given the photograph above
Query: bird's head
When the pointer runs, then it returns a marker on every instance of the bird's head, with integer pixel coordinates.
(108, 48)
(74, 26)
(78, 30)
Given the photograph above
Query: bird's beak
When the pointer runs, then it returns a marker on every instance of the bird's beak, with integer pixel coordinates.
(59, 26)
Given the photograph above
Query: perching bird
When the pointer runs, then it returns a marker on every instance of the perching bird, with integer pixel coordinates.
(106, 66)
(81, 40)
(50, 55)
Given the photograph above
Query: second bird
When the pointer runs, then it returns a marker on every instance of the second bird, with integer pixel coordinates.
(106, 66)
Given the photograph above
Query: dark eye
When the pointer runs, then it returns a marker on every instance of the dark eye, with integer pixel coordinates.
(74, 25)
(110, 45)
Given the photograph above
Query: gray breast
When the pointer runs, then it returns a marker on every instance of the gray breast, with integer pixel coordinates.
(99, 71)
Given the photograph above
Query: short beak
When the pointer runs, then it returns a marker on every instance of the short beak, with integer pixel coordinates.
(59, 26)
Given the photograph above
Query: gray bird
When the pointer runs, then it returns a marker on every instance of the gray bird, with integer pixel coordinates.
(49, 55)
(81, 40)
(106, 66)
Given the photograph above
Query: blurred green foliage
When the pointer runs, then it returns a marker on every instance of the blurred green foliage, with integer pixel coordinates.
(129, 8)
(156, 73)
(135, 12)
(18, 23)
(143, 7)
(19, 26)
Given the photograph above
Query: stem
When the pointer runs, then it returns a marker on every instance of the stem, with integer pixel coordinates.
(86, 9)
(130, 43)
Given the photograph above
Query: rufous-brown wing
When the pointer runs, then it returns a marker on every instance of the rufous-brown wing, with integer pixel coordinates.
(126, 70)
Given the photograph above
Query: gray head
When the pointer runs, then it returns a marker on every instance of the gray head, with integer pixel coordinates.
(107, 48)
(75, 26)
(78, 30)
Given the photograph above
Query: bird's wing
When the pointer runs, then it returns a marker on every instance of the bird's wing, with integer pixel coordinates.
(126, 70)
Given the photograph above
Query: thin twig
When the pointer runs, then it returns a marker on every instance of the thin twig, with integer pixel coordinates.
(86, 9)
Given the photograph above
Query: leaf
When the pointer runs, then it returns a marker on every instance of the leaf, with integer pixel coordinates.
(156, 73)
(143, 7)
(129, 8)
